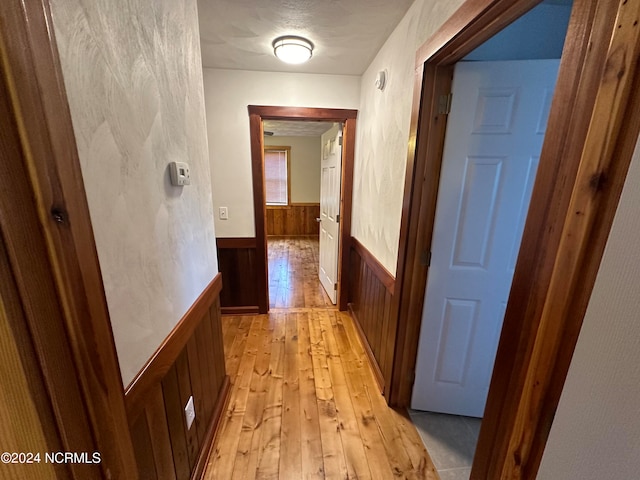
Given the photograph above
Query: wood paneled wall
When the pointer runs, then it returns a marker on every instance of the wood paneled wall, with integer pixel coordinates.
(371, 289)
(237, 264)
(190, 362)
(294, 219)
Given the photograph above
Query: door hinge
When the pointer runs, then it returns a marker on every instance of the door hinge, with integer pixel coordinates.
(425, 258)
(340, 141)
(444, 104)
(335, 286)
(411, 375)
(338, 218)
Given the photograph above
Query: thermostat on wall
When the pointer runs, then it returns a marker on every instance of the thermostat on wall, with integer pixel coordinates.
(179, 174)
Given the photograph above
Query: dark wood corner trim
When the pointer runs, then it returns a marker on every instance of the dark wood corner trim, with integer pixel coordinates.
(243, 310)
(236, 242)
(302, 113)
(388, 280)
(346, 207)
(375, 368)
(212, 431)
(164, 357)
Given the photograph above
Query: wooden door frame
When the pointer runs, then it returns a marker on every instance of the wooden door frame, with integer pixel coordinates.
(348, 118)
(52, 253)
(592, 131)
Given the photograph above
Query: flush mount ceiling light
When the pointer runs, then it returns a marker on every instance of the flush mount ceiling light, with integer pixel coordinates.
(292, 49)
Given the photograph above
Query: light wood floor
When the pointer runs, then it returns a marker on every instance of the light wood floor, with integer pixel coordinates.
(293, 273)
(304, 403)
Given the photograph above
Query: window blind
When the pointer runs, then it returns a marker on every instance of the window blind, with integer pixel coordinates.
(275, 173)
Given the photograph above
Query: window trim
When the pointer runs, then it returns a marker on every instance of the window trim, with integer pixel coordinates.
(278, 148)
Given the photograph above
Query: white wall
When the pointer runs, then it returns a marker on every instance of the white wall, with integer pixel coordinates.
(305, 166)
(227, 95)
(596, 430)
(383, 131)
(133, 75)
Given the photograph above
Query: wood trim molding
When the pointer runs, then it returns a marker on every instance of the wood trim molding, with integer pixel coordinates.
(465, 30)
(165, 356)
(348, 117)
(31, 69)
(592, 131)
(244, 310)
(236, 242)
(293, 204)
(373, 363)
(259, 208)
(302, 113)
(346, 207)
(378, 269)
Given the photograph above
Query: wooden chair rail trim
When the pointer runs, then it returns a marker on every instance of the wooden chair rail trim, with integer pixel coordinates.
(164, 357)
(381, 273)
(236, 242)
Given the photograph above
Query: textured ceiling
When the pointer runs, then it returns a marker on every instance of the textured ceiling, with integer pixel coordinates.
(237, 34)
(296, 128)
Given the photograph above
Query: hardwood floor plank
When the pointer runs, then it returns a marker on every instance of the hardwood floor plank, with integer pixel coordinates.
(354, 363)
(235, 352)
(224, 452)
(304, 401)
(311, 446)
(272, 417)
(247, 455)
(290, 436)
(353, 446)
(332, 449)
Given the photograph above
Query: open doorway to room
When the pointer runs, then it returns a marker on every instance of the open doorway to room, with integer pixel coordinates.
(301, 176)
(339, 143)
(592, 129)
(496, 123)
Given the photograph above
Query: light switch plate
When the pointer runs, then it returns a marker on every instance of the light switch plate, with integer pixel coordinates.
(189, 413)
(223, 213)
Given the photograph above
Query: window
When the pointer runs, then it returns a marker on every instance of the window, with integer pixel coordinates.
(276, 175)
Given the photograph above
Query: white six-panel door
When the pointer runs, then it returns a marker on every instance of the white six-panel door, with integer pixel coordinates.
(331, 173)
(493, 141)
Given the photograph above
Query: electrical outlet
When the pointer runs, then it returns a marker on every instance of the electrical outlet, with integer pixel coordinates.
(189, 413)
(223, 213)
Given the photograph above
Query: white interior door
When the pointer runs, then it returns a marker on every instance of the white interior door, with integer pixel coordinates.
(331, 165)
(493, 141)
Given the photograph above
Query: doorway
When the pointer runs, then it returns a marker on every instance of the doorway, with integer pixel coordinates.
(302, 165)
(591, 135)
(257, 116)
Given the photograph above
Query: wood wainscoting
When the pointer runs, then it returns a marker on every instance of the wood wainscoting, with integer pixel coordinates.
(190, 362)
(237, 263)
(294, 219)
(371, 289)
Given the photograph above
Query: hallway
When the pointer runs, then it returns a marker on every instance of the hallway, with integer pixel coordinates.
(304, 403)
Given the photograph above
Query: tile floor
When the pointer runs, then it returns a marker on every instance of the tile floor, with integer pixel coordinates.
(450, 440)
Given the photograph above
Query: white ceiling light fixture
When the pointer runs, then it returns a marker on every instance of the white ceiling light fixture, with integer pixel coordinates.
(291, 49)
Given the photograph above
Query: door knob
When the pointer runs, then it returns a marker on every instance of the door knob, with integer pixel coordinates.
(318, 219)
